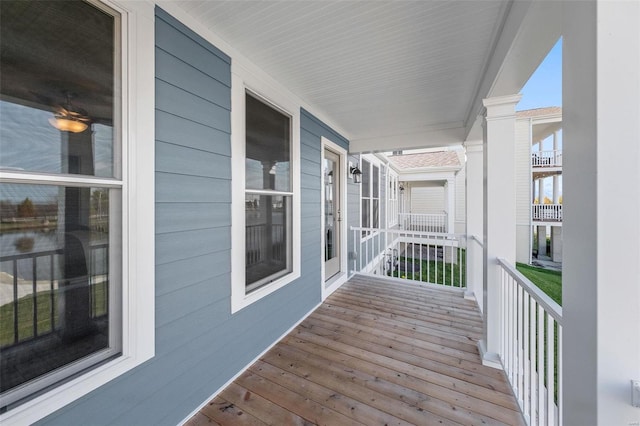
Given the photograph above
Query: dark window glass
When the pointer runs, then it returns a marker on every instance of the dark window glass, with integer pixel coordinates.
(57, 88)
(375, 179)
(60, 242)
(268, 148)
(54, 273)
(268, 216)
(268, 238)
(366, 179)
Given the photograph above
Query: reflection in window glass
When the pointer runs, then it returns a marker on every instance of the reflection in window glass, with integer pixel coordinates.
(60, 241)
(268, 213)
(268, 147)
(57, 93)
(54, 263)
(268, 238)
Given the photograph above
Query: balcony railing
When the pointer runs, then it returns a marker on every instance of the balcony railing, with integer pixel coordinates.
(546, 158)
(531, 347)
(32, 301)
(546, 212)
(425, 257)
(423, 222)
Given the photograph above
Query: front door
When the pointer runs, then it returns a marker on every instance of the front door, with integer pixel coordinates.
(332, 176)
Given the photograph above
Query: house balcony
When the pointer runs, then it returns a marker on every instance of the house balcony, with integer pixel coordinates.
(375, 352)
(551, 213)
(546, 159)
(423, 222)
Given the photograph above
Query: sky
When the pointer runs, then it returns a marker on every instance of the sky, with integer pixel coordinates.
(544, 89)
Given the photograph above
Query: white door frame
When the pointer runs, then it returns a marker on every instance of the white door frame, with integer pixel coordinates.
(341, 277)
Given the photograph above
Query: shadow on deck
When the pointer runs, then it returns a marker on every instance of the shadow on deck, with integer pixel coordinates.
(375, 353)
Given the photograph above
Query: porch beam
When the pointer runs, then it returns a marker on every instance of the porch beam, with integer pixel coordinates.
(499, 212)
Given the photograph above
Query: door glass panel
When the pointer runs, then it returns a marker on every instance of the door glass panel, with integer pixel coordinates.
(329, 208)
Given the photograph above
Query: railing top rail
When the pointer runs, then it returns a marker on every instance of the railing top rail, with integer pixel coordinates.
(423, 214)
(407, 232)
(545, 301)
(476, 239)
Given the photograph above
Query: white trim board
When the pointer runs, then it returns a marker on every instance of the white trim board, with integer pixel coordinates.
(344, 240)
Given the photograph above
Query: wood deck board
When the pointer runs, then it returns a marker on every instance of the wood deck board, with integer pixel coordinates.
(376, 352)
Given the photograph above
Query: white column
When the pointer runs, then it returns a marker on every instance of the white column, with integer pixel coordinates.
(474, 216)
(601, 268)
(541, 191)
(450, 198)
(499, 212)
(556, 178)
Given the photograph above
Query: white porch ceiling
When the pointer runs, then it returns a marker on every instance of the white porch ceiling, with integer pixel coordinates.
(376, 69)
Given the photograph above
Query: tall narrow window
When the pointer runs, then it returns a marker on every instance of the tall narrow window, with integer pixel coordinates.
(268, 194)
(370, 198)
(366, 194)
(60, 194)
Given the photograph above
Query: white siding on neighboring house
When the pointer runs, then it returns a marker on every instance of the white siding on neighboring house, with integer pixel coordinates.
(427, 200)
(523, 190)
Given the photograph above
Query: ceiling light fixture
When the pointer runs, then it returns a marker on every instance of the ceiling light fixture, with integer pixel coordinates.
(70, 118)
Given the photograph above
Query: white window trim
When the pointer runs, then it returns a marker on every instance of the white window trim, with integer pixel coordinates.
(373, 161)
(341, 277)
(138, 245)
(242, 81)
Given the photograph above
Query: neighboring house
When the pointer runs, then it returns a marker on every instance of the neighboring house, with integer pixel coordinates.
(432, 188)
(539, 160)
(179, 188)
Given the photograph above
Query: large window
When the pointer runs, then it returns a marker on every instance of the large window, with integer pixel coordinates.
(370, 196)
(268, 194)
(265, 190)
(63, 198)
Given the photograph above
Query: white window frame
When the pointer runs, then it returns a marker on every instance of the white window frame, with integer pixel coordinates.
(137, 20)
(372, 162)
(392, 198)
(242, 81)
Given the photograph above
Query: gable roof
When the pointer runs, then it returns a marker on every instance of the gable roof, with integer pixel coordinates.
(539, 112)
(425, 159)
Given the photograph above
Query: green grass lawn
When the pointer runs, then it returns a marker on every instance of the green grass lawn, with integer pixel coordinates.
(433, 272)
(547, 280)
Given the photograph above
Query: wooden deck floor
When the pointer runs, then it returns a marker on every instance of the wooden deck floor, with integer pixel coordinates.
(375, 353)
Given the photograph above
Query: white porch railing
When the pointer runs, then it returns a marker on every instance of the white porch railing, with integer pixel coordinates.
(547, 212)
(424, 257)
(423, 222)
(546, 158)
(531, 346)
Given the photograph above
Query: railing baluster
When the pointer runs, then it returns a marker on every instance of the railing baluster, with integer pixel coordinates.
(541, 375)
(533, 363)
(52, 294)
(526, 327)
(550, 370)
(34, 286)
(15, 301)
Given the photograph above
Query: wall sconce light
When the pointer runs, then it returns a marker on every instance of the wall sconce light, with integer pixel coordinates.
(401, 189)
(356, 174)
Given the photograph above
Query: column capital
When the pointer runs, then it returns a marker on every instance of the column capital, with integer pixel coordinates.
(501, 106)
(473, 146)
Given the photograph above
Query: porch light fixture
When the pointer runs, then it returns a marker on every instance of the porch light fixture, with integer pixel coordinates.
(356, 174)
